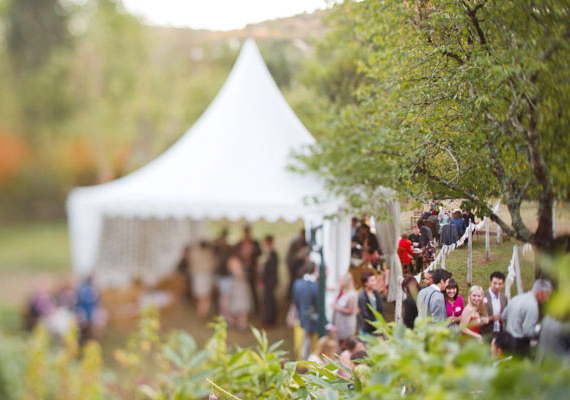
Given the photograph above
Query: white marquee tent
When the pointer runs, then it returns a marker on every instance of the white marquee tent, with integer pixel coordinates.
(233, 163)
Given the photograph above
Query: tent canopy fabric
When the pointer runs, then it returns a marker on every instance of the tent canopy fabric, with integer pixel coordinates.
(233, 163)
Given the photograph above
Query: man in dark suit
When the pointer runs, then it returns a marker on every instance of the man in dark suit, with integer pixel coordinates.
(369, 296)
(495, 301)
(249, 251)
(269, 283)
(295, 259)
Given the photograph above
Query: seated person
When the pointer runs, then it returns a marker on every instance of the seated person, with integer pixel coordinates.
(414, 237)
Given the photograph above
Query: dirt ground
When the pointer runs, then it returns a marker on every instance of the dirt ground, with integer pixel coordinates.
(16, 287)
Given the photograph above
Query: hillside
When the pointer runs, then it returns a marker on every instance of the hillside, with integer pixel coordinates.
(306, 27)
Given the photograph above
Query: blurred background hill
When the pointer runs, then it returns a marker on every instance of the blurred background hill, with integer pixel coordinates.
(89, 93)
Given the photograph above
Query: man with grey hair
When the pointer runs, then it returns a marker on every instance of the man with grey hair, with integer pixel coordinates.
(522, 314)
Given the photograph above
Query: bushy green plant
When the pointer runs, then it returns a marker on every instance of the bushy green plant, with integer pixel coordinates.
(431, 362)
(180, 370)
(11, 367)
(63, 371)
(141, 360)
(259, 373)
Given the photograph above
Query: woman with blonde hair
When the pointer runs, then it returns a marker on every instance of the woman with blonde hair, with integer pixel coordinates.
(326, 346)
(344, 309)
(474, 315)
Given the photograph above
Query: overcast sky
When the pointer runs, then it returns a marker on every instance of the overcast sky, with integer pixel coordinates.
(218, 14)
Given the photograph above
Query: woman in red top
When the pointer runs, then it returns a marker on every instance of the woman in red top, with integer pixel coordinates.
(474, 315)
(405, 250)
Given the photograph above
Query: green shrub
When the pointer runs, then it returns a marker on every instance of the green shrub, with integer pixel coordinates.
(41, 370)
(12, 367)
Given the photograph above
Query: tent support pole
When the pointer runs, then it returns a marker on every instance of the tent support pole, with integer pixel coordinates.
(470, 256)
(487, 242)
(318, 248)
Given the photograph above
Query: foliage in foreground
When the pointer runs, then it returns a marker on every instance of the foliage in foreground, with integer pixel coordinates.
(427, 363)
(430, 362)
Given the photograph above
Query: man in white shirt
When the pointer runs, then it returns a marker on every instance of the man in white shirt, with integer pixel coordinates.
(495, 302)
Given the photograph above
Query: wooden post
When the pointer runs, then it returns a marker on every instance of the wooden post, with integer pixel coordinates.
(518, 271)
(487, 243)
(498, 234)
(443, 251)
(470, 255)
(554, 218)
(498, 227)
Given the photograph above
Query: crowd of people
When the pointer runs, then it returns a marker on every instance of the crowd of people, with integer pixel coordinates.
(64, 308)
(417, 249)
(361, 290)
(484, 315)
(509, 327)
(234, 275)
(240, 280)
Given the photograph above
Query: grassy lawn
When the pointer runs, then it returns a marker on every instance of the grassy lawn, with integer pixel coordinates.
(500, 257)
(34, 247)
(26, 252)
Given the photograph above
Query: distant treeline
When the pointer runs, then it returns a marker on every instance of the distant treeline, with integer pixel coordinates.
(89, 93)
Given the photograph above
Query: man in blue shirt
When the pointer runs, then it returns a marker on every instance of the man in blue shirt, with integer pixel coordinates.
(305, 294)
(458, 221)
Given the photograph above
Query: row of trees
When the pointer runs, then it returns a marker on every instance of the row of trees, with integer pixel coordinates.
(450, 99)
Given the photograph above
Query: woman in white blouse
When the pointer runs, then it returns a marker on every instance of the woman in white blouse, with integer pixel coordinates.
(344, 309)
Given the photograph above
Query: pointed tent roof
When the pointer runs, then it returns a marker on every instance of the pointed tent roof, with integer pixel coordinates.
(233, 163)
